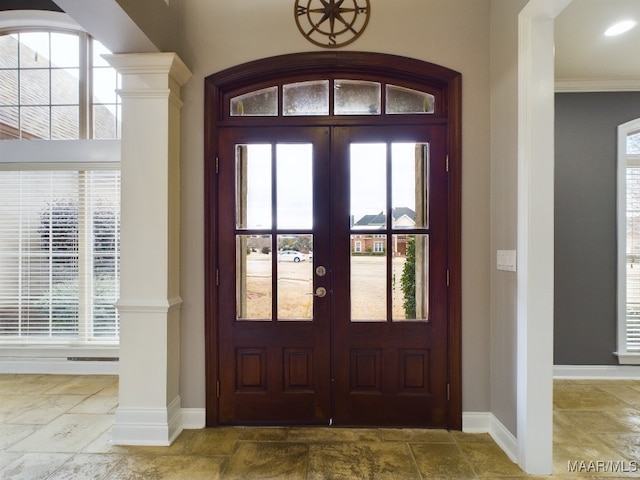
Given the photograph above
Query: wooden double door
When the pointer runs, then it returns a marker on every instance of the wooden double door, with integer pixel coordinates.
(332, 277)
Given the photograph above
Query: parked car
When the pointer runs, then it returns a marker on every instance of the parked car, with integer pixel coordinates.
(291, 256)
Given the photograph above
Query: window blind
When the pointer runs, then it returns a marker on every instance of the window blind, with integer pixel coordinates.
(633, 254)
(59, 256)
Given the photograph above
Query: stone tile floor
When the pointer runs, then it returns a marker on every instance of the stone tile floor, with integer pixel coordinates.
(58, 427)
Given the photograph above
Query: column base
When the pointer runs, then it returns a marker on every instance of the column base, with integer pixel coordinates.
(147, 426)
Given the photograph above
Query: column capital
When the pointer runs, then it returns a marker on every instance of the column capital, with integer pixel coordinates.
(143, 64)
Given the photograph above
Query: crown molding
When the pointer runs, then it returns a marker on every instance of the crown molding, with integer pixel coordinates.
(597, 85)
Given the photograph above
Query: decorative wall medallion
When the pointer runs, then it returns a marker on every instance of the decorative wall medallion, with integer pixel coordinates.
(332, 23)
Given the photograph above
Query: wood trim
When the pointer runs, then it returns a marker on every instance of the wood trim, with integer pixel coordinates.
(211, 246)
(455, 252)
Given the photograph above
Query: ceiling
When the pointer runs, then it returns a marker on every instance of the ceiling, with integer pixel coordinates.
(584, 53)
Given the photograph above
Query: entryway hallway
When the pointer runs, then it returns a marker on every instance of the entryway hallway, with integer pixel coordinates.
(59, 427)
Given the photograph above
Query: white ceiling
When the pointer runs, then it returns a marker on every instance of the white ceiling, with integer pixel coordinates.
(585, 54)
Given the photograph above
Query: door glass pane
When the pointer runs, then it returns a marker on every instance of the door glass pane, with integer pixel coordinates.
(356, 97)
(405, 100)
(253, 277)
(253, 186)
(409, 170)
(306, 98)
(368, 278)
(410, 277)
(295, 279)
(261, 103)
(368, 185)
(295, 185)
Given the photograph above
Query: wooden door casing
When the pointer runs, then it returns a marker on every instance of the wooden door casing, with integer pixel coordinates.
(444, 83)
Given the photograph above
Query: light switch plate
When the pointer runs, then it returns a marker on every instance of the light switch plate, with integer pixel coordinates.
(506, 260)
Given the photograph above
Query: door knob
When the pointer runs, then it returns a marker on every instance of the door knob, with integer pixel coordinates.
(320, 292)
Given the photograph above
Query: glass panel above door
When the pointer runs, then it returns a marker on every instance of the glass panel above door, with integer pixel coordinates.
(368, 170)
(404, 100)
(410, 189)
(294, 185)
(253, 186)
(261, 103)
(356, 97)
(306, 98)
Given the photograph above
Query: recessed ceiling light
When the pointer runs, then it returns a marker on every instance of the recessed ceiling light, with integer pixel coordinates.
(620, 28)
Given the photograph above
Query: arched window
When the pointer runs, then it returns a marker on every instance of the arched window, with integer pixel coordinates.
(55, 85)
(59, 189)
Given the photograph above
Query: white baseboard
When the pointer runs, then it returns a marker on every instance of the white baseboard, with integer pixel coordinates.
(476, 422)
(486, 422)
(596, 372)
(147, 426)
(194, 418)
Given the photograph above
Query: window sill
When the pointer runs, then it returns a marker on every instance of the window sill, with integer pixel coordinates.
(625, 358)
(89, 352)
(59, 359)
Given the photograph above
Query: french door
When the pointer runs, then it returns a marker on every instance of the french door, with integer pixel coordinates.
(332, 275)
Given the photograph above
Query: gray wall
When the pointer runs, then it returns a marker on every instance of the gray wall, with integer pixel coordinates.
(585, 224)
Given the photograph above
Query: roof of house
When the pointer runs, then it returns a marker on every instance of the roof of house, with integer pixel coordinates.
(380, 219)
(25, 112)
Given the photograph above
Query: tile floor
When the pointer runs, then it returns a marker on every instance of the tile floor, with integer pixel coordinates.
(58, 427)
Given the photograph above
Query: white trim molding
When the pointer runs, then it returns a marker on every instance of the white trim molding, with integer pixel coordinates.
(46, 359)
(58, 366)
(565, 85)
(487, 422)
(194, 418)
(147, 426)
(596, 372)
(37, 18)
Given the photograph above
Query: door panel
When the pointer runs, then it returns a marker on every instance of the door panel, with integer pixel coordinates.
(389, 329)
(274, 334)
(334, 305)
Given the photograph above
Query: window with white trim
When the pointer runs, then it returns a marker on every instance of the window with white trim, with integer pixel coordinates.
(59, 255)
(60, 196)
(56, 85)
(629, 243)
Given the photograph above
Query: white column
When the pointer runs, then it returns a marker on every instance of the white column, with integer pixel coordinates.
(535, 235)
(149, 304)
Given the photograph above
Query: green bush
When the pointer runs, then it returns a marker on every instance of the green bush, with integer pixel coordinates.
(408, 279)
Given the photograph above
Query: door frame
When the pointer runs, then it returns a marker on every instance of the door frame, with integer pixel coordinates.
(270, 71)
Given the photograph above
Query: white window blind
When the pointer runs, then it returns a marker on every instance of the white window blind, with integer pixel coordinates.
(629, 243)
(633, 255)
(59, 256)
